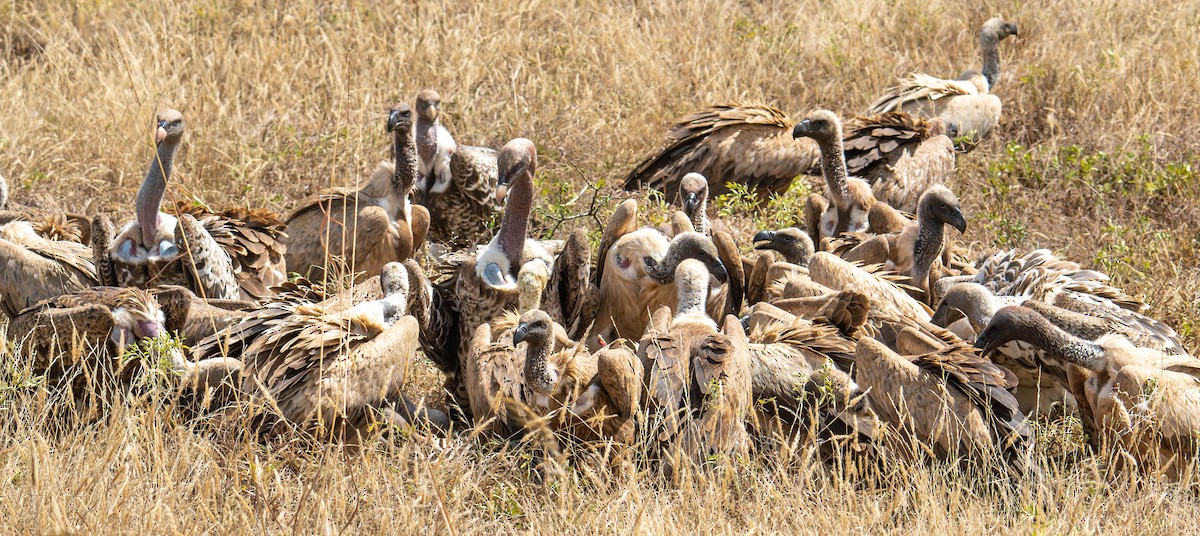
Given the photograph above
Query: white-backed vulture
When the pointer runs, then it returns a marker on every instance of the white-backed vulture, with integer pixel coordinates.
(1139, 398)
(693, 189)
(570, 297)
(459, 184)
(914, 250)
(161, 249)
(76, 339)
(739, 143)
(33, 268)
(886, 297)
(698, 379)
(638, 276)
(800, 368)
(966, 101)
(900, 155)
(949, 398)
(362, 230)
(848, 200)
(324, 371)
(46, 217)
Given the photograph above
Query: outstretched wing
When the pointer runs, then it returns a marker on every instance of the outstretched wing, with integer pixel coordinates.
(749, 144)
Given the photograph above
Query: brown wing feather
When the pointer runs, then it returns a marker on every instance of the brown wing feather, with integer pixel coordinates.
(735, 142)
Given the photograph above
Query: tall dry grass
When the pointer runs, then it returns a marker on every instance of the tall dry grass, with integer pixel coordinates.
(283, 101)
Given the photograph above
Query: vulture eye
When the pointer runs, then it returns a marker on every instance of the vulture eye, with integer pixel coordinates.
(648, 261)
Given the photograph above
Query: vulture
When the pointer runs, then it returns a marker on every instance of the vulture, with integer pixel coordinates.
(914, 250)
(978, 305)
(786, 279)
(362, 230)
(636, 270)
(799, 365)
(693, 190)
(848, 201)
(486, 284)
(77, 339)
(324, 371)
(900, 155)
(698, 384)
(160, 249)
(966, 101)
(739, 143)
(1142, 399)
(34, 268)
(459, 184)
(886, 296)
(46, 217)
(945, 396)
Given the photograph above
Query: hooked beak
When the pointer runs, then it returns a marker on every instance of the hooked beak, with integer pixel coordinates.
(986, 344)
(161, 134)
(520, 333)
(393, 120)
(718, 270)
(941, 317)
(690, 202)
(802, 129)
(958, 221)
(767, 239)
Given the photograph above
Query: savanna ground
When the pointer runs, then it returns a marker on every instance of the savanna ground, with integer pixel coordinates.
(1096, 157)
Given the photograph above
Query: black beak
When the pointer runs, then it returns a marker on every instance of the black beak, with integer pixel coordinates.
(689, 203)
(163, 124)
(941, 317)
(393, 120)
(802, 129)
(520, 333)
(718, 270)
(768, 239)
(985, 344)
(1013, 29)
(958, 221)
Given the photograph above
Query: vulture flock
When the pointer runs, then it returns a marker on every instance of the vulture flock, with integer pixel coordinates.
(861, 326)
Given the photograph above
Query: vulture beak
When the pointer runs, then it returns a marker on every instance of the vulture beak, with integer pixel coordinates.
(520, 333)
(986, 344)
(690, 202)
(161, 134)
(958, 221)
(393, 120)
(802, 129)
(767, 238)
(718, 270)
(941, 317)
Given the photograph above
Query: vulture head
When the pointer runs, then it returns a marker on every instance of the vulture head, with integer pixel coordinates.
(170, 127)
(429, 105)
(940, 205)
(136, 316)
(1012, 323)
(683, 246)
(998, 29)
(693, 188)
(971, 300)
(823, 126)
(535, 328)
(400, 118)
(795, 245)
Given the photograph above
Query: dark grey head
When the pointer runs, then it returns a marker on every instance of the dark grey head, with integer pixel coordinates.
(823, 126)
(534, 327)
(942, 205)
(968, 299)
(795, 245)
(1012, 323)
(400, 117)
(683, 246)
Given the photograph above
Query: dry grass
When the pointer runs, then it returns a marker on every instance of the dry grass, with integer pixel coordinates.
(281, 102)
